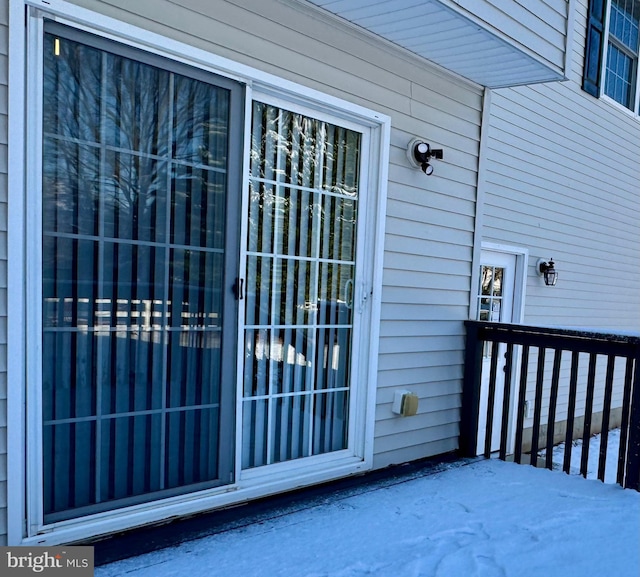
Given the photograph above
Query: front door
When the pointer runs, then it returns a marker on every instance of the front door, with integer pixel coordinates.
(141, 167)
(495, 304)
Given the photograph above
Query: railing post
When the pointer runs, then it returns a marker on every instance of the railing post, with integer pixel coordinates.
(632, 476)
(470, 410)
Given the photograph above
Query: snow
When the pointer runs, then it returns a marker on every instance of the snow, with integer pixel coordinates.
(486, 518)
(611, 462)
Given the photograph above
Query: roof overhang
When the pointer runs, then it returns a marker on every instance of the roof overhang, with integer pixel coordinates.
(494, 48)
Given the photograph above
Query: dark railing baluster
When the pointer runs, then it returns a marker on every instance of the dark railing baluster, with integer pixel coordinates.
(613, 347)
(553, 401)
(624, 422)
(571, 411)
(606, 409)
(506, 401)
(588, 410)
(491, 398)
(537, 412)
(632, 474)
(522, 393)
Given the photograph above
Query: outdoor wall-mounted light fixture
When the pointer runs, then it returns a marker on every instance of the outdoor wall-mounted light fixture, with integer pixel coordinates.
(548, 270)
(420, 153)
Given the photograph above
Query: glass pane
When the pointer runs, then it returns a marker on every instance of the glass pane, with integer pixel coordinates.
(485, 280)
(290, 428)
(262, 202)
(134, 194)
(72, 87)
(200, 123)
(256, 362)
(70, 187)
(191, 450)
(71, 473)
(69, 287)
(131, 458)
(297, 235)
(333, 357)
(341, 160)
(68, 378)
(254, 433)
(198, 207)
(265, 141)
(259, 287)
(193, 368)
(335, 293)
(130, 369)
(293, 351)
(294, 293)
(330, 422)
(484, 309)
(195, 288)
(338, 228)
(136, 106)
(498, 276)
(300, 282)
(132, 291)
(496, 307)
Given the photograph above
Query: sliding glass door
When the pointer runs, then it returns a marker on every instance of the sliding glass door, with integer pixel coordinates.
(140, 195)
(144, 366)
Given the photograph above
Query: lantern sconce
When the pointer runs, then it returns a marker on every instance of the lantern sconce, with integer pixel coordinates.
(420, 153)
(548, 270)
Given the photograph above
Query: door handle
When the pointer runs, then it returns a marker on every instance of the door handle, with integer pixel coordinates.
(238, 289)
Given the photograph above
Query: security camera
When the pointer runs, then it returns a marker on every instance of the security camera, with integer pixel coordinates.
(420, 153)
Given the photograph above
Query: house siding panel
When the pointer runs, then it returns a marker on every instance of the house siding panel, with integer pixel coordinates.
(562, 177)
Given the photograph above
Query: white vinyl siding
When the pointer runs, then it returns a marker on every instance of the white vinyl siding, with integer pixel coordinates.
(4, 49)
(562, 178)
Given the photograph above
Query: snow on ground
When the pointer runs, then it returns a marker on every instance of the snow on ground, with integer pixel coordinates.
(487, 518)
(611, 463)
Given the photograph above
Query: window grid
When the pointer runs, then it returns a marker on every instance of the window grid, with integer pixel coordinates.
(621, 70)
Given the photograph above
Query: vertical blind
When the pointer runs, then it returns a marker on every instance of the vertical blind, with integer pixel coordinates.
(134, 190)
(300, 271)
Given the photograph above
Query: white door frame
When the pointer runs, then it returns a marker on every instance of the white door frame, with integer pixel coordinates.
(22, 516)
(521, 255)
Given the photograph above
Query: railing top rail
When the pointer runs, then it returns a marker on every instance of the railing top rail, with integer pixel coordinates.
(570, 339)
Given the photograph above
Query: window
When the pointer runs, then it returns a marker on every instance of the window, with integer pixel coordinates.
(612, 48)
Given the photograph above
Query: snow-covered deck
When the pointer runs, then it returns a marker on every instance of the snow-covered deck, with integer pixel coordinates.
(486, 518)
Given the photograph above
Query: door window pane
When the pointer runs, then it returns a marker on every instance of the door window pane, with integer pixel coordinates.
(300, 277)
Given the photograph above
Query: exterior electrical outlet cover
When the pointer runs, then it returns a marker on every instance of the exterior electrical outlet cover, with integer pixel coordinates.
(405, 403)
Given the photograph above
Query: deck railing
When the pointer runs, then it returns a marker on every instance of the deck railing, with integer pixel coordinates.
(588, 373)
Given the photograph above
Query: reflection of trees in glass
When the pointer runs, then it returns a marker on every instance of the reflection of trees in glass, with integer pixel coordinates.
(124, 143)
(315, 216)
